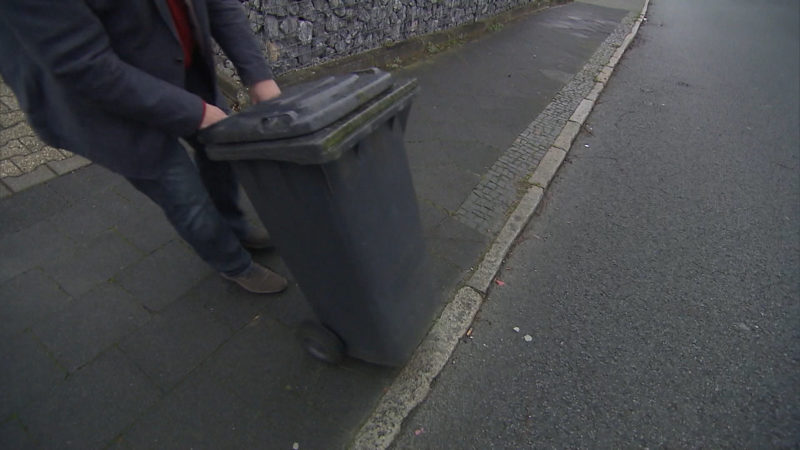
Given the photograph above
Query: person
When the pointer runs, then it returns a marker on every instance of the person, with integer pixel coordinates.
(120, 82)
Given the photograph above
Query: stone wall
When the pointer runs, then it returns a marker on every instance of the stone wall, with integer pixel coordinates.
(302, 33)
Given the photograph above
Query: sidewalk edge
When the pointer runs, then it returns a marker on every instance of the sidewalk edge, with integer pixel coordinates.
(413, 384)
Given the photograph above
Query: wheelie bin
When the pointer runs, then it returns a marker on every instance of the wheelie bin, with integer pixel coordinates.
(325, 168)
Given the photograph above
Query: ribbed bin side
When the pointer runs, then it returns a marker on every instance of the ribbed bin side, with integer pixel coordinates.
(350, 233)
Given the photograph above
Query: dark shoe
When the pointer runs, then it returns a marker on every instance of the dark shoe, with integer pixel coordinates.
(259, 280)
(256, 238)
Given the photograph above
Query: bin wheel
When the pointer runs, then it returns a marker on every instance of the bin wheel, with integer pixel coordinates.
(321, 342)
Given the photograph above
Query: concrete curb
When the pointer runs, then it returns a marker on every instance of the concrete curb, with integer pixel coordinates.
(412, 386)
(42, 174)
(493, 259)
(413, 383)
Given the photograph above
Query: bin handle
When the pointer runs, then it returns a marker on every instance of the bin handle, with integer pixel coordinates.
(279, 122)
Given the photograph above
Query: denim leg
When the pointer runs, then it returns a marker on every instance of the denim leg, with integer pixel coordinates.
(180, 193)
(222, 185)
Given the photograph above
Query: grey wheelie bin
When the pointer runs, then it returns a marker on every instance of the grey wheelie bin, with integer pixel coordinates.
(326, 169)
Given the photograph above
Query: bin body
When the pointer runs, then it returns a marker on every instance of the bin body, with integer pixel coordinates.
(348, 228)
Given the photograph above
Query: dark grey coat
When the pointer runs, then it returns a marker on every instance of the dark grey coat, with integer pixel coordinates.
(104, 78)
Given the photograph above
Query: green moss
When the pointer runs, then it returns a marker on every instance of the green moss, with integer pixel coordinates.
(334, 140)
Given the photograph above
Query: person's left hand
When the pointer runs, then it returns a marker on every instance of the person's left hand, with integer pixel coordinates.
(264, 90)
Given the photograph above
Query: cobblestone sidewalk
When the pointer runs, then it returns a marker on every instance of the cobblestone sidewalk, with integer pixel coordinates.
(26, 161)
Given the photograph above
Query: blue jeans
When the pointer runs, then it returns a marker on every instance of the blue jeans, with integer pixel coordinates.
(200, 199)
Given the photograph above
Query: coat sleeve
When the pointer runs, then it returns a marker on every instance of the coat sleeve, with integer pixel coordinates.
(69, 41)
(231, 29)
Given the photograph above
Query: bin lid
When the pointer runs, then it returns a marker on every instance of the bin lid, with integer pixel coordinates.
(331, 142)
(301, 109)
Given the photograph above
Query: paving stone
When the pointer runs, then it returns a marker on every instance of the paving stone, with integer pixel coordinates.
(296, 309)
(119, 443)
(457, 242)
(231, 304)
(10, 100)
(8, 119)
(161, 277)
(284, 381)
(359, 385)
(27, 299)
(70, 163)
(195, 415)
(92, 406)
(13, 435)
(235, 307)
(175, 342)
(148, 231)
(85, 182)
(15, 132)
(430, 215)
(91, 324)
(25, 249)
(13, 148)
(446, 276)
(30, 179)
(8, 169)
(92, 215)
(78, 270)
(32, 143)
(26, 208)
(27, 373)
(249, 357)
(142, 202)
(29, 162)
(445, 186)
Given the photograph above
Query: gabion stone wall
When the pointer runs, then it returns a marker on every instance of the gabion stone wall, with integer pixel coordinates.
(302, 33)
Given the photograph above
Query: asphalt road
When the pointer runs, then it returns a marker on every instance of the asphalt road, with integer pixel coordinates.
(659, 285)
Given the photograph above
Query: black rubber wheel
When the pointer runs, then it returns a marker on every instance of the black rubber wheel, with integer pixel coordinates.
(321, 342)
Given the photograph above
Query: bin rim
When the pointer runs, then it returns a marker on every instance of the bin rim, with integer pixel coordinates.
(301, 109)
(329, 143)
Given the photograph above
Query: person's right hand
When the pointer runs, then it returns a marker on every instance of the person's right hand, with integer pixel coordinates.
(211, 116)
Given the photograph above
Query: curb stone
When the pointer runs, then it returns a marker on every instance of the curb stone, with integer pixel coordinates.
(494, 258)
(548, 167)
(70, 164)
(568, 134)
(595, 93)
(584, 108)
(17, 182)
(413, 384)
(604, 75)
(24, 181)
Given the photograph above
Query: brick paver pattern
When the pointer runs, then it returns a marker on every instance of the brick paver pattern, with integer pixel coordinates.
(24, 159)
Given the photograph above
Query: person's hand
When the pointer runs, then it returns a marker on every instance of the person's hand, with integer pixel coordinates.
(264, 90)
(211, 116)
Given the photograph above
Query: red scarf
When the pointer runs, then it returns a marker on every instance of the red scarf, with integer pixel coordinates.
(180, 16)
